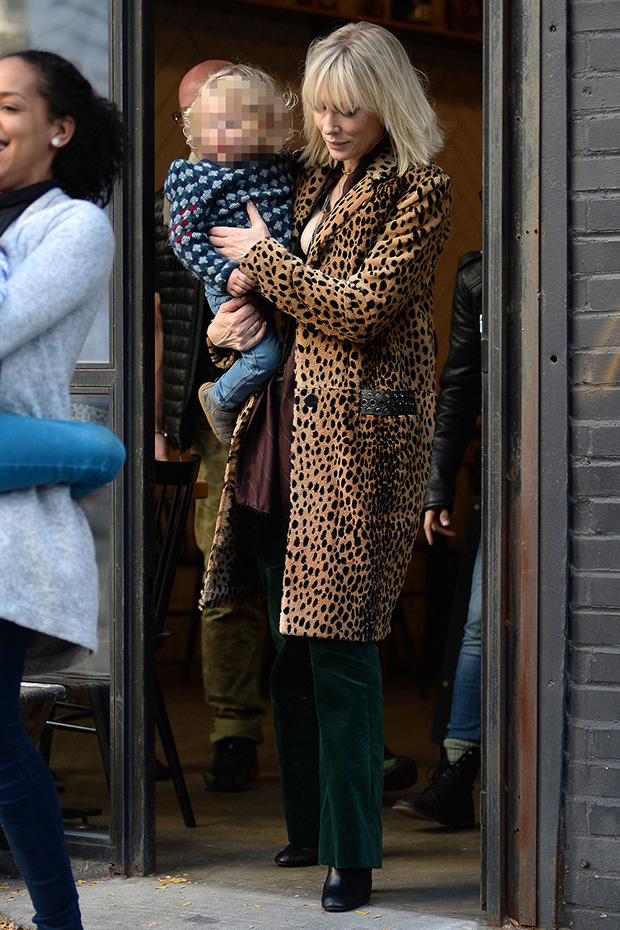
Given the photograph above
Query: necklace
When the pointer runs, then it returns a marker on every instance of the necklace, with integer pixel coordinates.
(326, 206)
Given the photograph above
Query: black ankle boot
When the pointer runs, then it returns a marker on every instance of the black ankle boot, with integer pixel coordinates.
(448, 798)
(295, 857)
(346, 889)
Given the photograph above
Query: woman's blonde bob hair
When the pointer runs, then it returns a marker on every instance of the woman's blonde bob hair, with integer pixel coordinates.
(362, 66)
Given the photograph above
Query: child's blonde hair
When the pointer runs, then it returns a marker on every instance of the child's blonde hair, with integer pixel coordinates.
(272, 122)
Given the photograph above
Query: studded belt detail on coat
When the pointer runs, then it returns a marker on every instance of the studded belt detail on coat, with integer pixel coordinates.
(387, 403)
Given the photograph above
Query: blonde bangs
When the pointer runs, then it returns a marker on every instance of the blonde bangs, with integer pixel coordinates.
(362, 66)
(341, 88)
(339, 82)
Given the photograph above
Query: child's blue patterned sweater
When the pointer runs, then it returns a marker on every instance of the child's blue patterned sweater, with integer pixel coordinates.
(205, 194)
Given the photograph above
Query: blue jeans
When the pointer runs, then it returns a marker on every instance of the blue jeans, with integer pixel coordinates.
(253, 368)
(29, 809)
(35, 451)
(465, 713)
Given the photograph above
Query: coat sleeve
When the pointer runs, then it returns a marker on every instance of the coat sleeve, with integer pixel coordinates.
(72, 260)
(360, 306)
(460, 394)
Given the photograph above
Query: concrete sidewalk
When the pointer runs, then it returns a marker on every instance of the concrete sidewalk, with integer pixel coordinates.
(222, 874)
(173, 902)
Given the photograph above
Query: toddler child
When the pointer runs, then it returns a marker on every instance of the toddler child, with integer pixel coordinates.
(237, 127)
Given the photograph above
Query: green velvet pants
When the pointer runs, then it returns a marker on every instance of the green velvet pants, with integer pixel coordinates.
(328, 719)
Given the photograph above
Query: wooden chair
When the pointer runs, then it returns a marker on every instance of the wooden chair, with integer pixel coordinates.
(89, 695)
(175, 481)
(36, 704)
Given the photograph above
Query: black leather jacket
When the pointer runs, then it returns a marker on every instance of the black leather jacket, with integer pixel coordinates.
(460, 386)
(186, 315)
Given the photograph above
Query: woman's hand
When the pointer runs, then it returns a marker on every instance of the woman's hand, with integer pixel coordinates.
(235, 243)
(238, 324)
(238, 283)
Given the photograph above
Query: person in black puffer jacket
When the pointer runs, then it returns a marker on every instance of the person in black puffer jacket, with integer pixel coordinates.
(448, 797)
(231, 636)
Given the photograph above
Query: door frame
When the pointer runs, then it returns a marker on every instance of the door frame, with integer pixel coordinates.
(525, 457)
(129, 378)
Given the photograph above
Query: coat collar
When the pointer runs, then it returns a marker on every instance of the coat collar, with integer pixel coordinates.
(383, 166)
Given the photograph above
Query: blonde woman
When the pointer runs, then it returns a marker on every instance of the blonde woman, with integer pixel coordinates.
(333, 455)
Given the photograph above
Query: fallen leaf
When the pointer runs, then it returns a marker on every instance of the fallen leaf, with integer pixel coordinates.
(361, 912)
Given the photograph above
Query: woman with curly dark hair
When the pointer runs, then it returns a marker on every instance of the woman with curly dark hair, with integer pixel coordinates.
(82, 455)
(61, 149)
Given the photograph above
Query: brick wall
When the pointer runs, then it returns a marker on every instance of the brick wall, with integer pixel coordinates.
(592, 781)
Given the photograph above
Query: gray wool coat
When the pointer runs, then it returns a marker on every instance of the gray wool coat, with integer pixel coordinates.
(60, 254)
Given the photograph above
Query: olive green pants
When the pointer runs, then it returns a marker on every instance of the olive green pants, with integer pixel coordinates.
(327, 706)
(231, 637)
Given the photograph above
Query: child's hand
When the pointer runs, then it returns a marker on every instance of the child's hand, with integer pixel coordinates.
(238, 283)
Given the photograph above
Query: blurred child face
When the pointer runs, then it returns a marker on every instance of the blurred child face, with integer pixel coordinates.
(236, 120)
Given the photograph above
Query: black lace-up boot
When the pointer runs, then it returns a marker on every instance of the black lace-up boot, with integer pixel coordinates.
(448, 798)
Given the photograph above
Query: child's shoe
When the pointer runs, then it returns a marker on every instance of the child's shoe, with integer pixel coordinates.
(221, 421)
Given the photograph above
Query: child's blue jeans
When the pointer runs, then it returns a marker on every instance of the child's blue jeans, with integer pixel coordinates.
(36, 451)
(29, 809)
(255, 366)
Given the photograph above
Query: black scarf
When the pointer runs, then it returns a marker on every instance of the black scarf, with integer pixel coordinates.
(13, 203)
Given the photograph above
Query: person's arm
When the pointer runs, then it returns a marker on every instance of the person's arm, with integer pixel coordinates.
(72, 260)
(399, 265)
(459, 402)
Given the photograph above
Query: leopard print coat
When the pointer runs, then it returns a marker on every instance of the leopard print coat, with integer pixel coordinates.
(363, 303)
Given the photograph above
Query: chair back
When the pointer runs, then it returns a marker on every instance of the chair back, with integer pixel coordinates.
(175, 482)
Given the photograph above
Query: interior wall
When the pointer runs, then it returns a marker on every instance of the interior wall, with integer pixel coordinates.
(186, 33)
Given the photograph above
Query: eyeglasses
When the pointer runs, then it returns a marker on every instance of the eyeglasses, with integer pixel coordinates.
(179, 116)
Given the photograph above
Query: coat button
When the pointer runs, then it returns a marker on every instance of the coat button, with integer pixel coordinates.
(312, 401)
